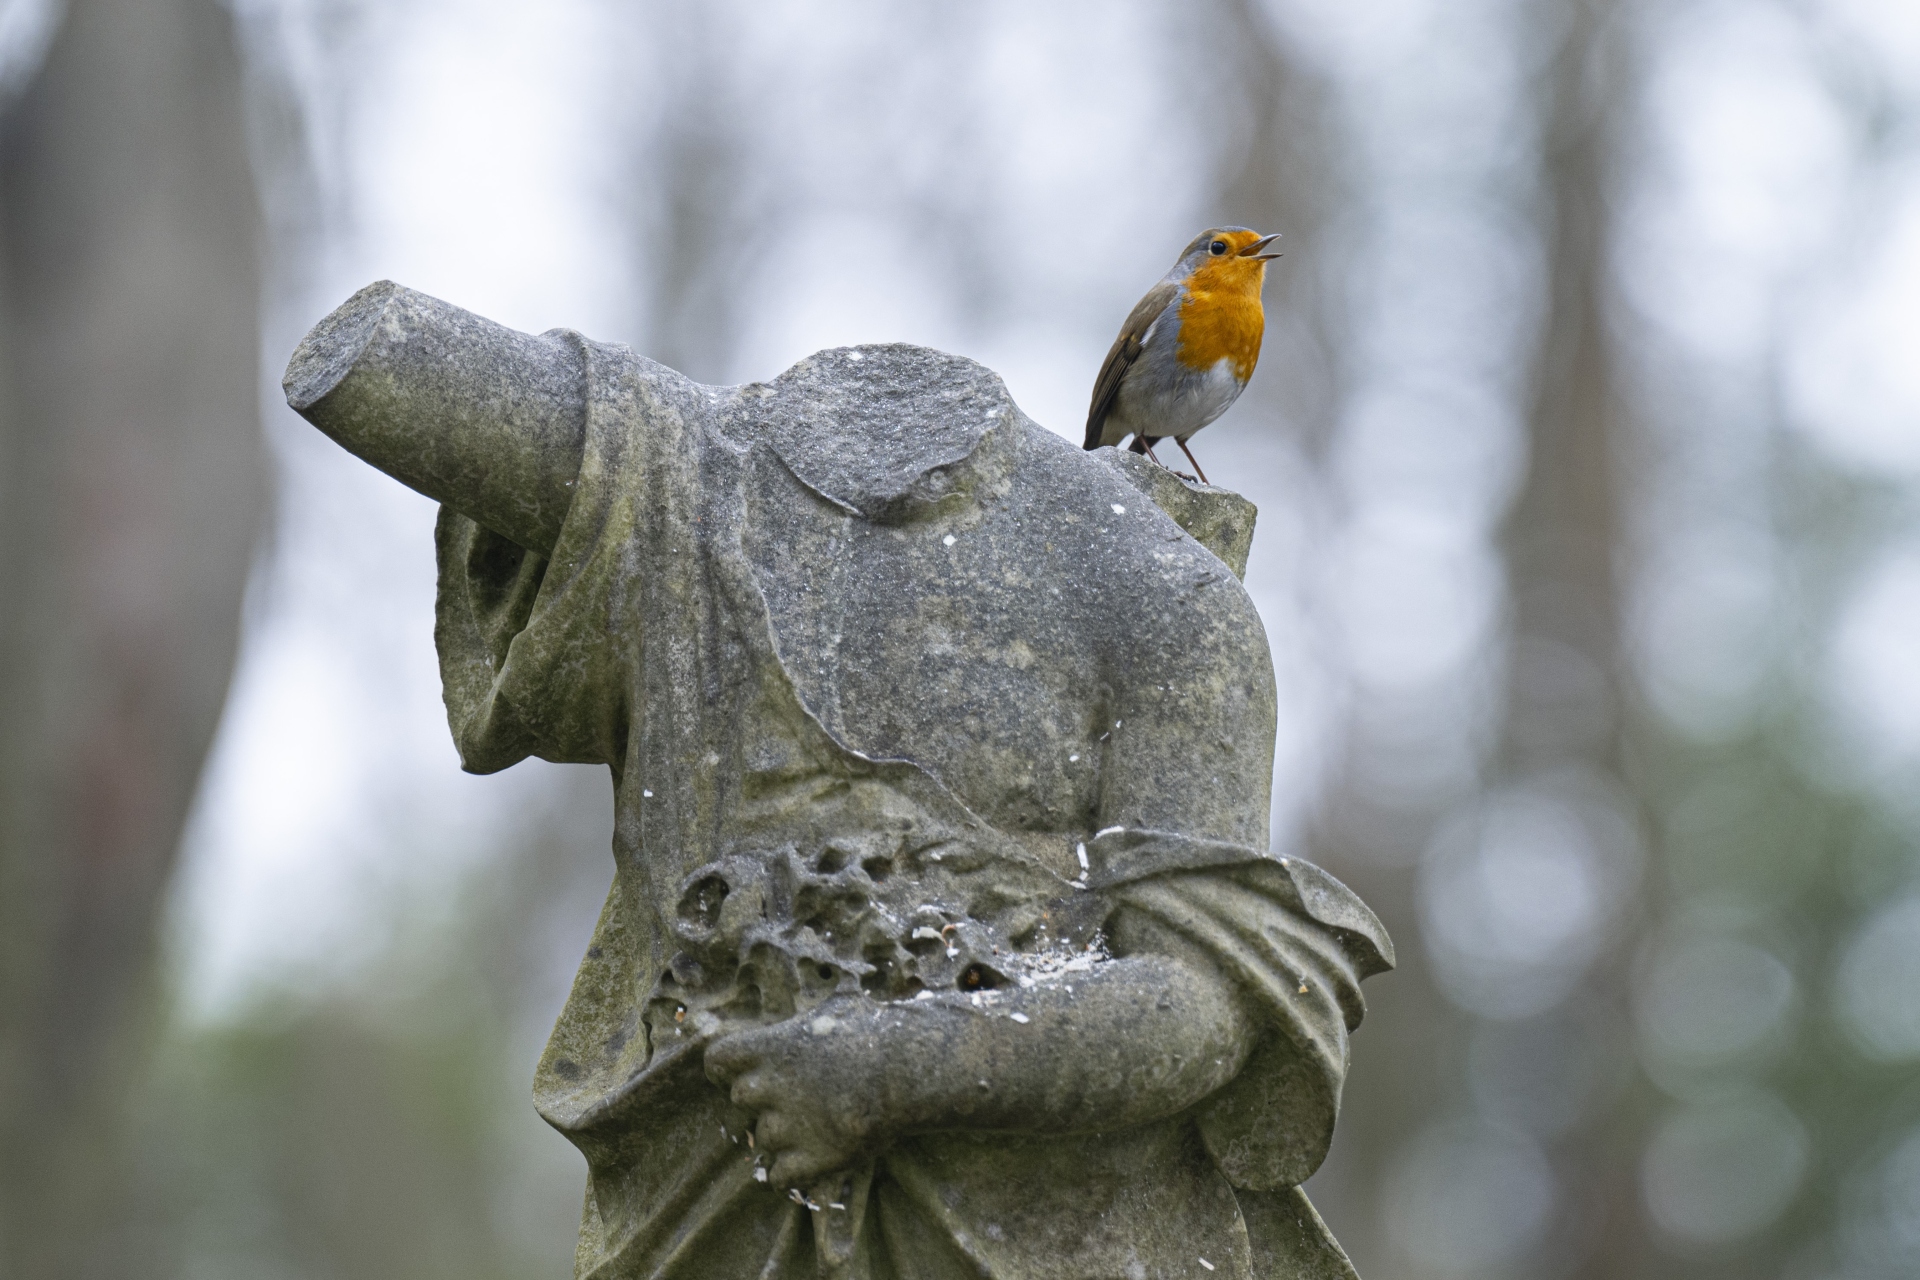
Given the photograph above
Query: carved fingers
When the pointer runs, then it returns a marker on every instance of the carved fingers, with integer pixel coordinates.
(807, 1081)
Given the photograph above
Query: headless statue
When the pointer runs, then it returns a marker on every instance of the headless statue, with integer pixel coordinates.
(943, 939)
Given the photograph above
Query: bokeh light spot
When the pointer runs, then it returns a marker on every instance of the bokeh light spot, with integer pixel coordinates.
(1707, 1001)
(1465, 1195)
(1719, 1171)
(1878, 986)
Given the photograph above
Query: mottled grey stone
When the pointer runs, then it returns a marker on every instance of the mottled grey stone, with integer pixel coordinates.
(1219, 520)
(944, 939)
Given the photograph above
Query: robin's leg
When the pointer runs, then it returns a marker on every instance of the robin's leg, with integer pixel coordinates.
(1190, 458)
(1144, 444)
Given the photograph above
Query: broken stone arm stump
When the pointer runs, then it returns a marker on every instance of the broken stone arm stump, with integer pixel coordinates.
(943, 938)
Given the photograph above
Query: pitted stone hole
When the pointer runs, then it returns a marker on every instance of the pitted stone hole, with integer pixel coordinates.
(877, 868)
(826, 973)
(980, 977)
(830, 861)
(687, 971)
(888, 982)
(700, 904)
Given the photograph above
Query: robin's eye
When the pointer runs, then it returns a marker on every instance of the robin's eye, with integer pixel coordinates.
(1217, 248)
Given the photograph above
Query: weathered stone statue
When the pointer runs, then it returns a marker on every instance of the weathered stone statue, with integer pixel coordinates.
(943, 940)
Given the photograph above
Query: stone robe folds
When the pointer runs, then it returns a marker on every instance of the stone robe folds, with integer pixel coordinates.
(900, 692)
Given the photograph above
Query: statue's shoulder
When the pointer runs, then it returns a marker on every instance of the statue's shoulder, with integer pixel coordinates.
(1219, 519)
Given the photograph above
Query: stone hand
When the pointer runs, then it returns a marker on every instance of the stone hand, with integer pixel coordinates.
(814, 1084)
(1128, 1041)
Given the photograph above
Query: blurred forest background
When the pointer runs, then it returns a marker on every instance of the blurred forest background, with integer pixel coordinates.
(1587, 447)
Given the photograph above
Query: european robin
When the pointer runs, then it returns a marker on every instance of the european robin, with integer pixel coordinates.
(1186, 351)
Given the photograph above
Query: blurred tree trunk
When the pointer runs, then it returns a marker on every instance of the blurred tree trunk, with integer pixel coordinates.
(1562, 693)
(132, 488)
(698, 168)
(1561, 537)
(1568, 684)
(1287, 176)
(696, 195)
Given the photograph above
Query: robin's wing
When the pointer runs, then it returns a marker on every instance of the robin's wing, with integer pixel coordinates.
(1126, 349)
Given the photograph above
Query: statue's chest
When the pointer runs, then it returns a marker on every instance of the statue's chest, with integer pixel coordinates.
(929, 642)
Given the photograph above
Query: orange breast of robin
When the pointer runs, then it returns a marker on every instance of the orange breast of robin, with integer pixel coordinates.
(1221, 317)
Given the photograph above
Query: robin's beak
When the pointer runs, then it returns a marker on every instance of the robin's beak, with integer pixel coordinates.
(1253, 250)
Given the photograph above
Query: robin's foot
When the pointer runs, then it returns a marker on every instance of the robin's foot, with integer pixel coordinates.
(1190, 458)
